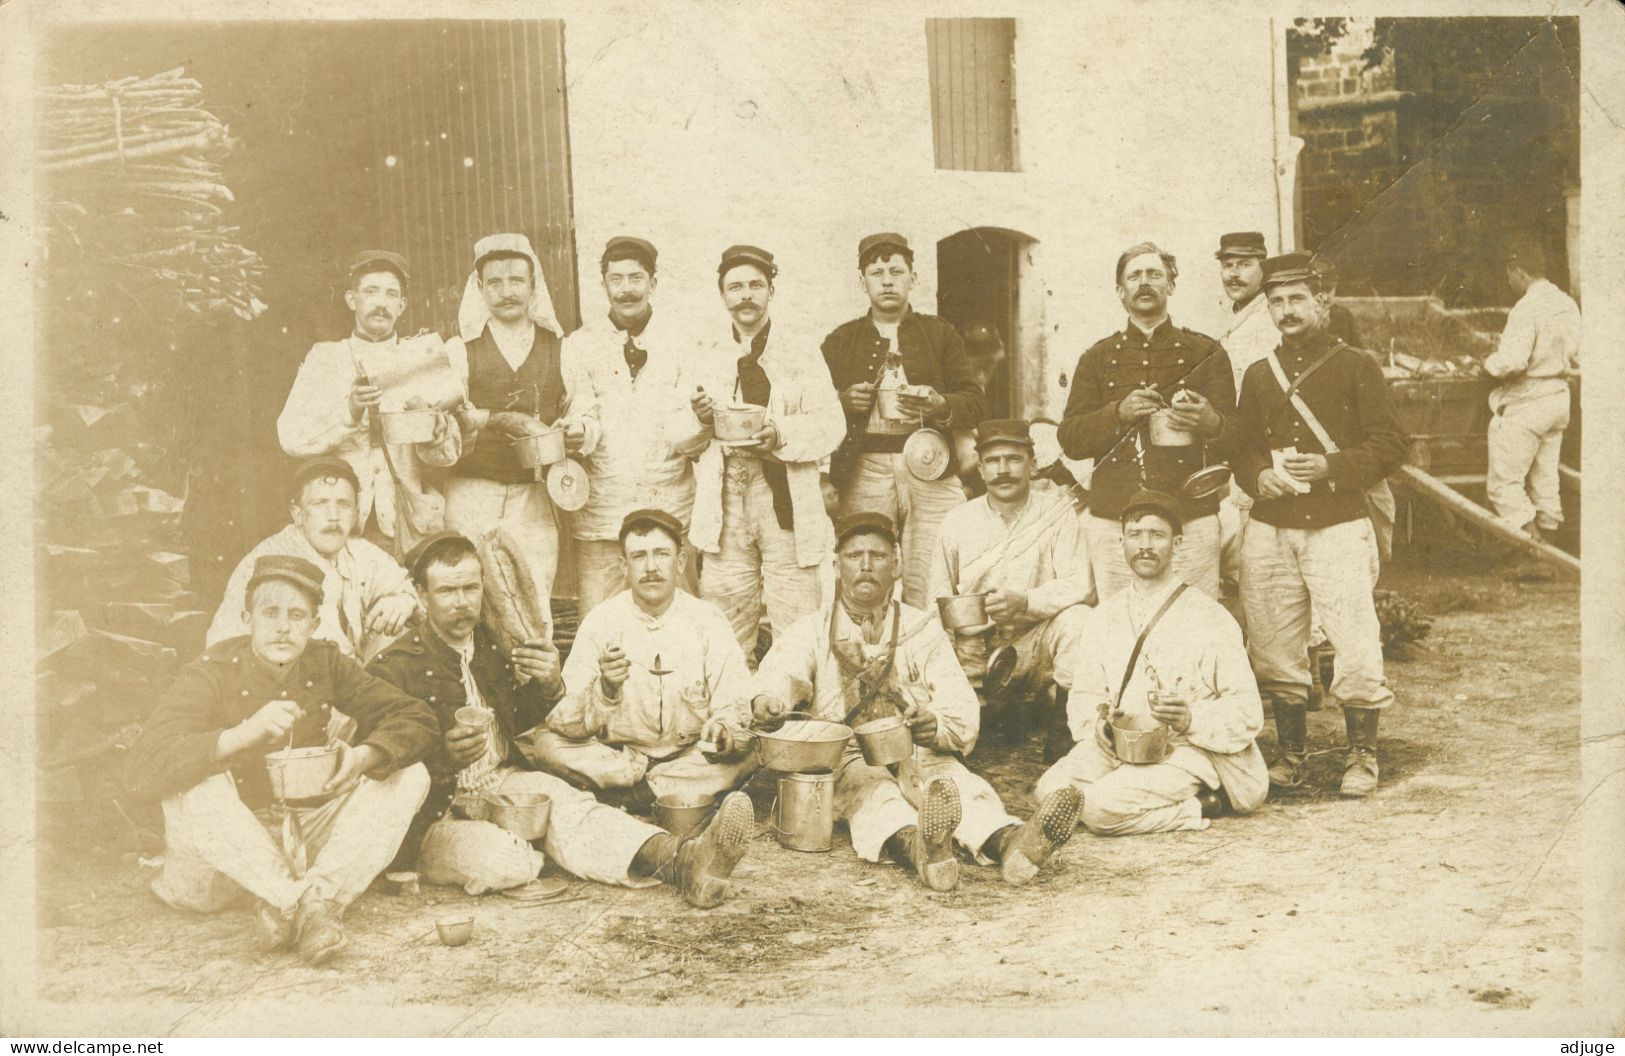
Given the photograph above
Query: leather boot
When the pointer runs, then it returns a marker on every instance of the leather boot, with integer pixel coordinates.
(1292, 739)
(1057, 735)
(320, 935)
(927, 847)
(706, 861)
(1360, 772)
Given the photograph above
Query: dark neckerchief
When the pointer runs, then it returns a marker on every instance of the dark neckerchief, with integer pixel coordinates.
(752, 385)
(636, 358)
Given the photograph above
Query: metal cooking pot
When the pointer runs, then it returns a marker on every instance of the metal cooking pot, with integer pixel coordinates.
(804, 813)
(885, 741)
(738, 422)
(1165, 434)
(1139, 740)
(963, 610)
(803, 746)
(890, 402)
(300, 773)
(525, 814)
(541, 449)
(682, 814)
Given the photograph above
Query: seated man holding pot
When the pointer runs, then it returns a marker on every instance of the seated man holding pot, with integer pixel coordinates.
(1017, 557)
(228, 750)
(482, 699)
(1164, 707)
(864, 658)
(654, 672)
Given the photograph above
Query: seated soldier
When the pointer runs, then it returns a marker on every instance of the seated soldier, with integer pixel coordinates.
(366, 597)
(451, 662)
(204, 751)
(653, 671)
(1021, 546)
(1160, 653)
(863, 657)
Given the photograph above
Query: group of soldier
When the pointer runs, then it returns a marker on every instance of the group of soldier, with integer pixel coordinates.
(414, 583)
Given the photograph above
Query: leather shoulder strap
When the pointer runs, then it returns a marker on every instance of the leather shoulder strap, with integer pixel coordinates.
(1134, 656)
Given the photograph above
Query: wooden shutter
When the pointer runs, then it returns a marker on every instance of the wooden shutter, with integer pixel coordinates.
(973, 92)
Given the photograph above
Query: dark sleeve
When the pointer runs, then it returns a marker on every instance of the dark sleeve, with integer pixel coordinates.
(176, 748)
(401, 726)
(967, 405)
(1215, 380)
(1343, 327)
(1383, 444)
(394, 668)
(1089, 426)
(837, 374)
(1249, 447)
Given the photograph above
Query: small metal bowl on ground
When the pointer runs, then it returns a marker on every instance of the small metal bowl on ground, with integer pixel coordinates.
(525, 814)
(884, 741)
(407, 427)
(681, 814)
(803, 746)
(1140, 740)
(962, 611)
(739, 422)
(454, 929)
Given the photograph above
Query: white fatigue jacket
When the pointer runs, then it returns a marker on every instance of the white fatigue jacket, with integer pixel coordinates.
(659, 715)
(352, 583)
(804, 407)
(634, 464)
(801, 667)
(1196, 648)
(1044, 553)
(1541, 340)
(1248, 335)
(316, 421)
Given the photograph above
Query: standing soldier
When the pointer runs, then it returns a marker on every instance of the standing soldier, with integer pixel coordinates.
(509, 360)
(331, 409)
(1316, 428)
(627, 364)
(921, 356)
(758, 508)
(1145, 403)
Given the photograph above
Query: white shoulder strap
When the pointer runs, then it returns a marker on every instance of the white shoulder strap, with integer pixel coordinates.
(1301, 407)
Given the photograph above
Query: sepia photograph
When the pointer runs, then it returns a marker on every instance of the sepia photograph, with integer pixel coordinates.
(734, 519)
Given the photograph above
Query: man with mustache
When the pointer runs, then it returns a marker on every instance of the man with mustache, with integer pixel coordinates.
(654, 688)
(1159, 654)
(508, 358)
(626, 362)
(331, 409)
(367, 598)
(452, 663)
(204, 752)
(759, 508)
(864, 657)
(869, 470)
(1316, 429)
(1151, 377)
(1022, 547)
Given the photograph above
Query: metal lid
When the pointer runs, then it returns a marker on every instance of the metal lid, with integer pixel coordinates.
(567, 484)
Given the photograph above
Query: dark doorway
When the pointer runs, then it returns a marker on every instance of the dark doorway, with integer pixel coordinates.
(979, 281)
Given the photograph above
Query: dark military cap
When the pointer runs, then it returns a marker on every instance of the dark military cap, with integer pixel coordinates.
(882, 239)
(320, 467)
(853, 523)
(643, 520)
(982, 335)
(1160, 503)
(418, 557)
(378, 260)
(1242, 244)
(290, 569)
(1004, 431)
(622, 247)
(1289, 267)
(746, 254)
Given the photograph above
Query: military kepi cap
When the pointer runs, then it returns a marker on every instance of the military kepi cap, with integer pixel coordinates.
(853, 523)
(378, 260)
(290, 569)
(1004, 431)
(1242, 244)
(643, 520)
(1160, 503)
(1289, 267)
(321, 467)
(622, 247)
(419, 555)
(880, 239)
(747, 254)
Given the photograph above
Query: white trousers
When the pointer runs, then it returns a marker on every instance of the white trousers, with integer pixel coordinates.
(1525, 440)
(585, 837)
(1044, 651)
(1120, 799)
(871, 802)
(1292, 576)
(608, 767)
(216, 847)
(478, 508)
(755, 565)
(883, 484)
(1196, 561)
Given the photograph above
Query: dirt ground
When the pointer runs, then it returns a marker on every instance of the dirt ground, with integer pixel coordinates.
(1446, 903)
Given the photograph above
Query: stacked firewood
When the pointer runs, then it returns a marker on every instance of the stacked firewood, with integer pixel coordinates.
(132, 177)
